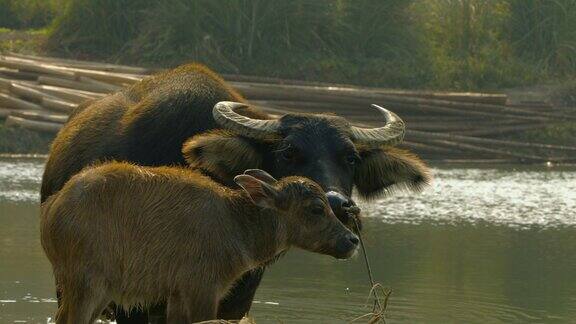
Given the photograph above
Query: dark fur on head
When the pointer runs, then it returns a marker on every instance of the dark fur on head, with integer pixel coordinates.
(315, 146)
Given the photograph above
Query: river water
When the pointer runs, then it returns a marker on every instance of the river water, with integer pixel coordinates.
(481, 245)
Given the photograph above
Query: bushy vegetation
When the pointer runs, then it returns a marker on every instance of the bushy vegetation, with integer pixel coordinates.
(452, 44)
(19, 14)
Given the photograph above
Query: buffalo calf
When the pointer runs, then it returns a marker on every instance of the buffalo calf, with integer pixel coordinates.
(138, 236)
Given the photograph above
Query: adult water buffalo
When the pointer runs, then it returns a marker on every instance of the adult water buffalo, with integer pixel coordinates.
(191, 109)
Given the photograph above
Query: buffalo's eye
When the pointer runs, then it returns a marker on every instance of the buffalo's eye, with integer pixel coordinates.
(288, 154)
(317, 210)
(352, 159)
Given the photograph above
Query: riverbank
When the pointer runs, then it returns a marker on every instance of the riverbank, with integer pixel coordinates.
(16, 140)
(38, 93)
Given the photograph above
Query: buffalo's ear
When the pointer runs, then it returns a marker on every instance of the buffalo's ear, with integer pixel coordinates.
(221, 154)
(261, 193)
(385, 169)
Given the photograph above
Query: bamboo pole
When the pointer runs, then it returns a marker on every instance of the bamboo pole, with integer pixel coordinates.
(4, 112)
(110, 77)
(58, 105)
(370, 116)
(73, 84)
(264, 97)
(17, 74)
(41, 116)
(489, 98)
(471, 147)
(466, 97)
(21, 90)
(429, 148)
(36, 67)
(87, 64)
(500, 130)
(74, 96)
(105, 76)
(483, 141)
(5, 84)
(269, 92)
(41, 126)
(458, 112)
(15, 103)
(69, 73)
(105, 86)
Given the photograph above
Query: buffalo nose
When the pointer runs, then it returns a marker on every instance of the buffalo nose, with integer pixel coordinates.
(354, 239)
(343, 207)
(337, 200)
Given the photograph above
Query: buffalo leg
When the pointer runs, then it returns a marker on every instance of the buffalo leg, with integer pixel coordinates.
(134, 316)
(239, 300)
(81, 304)
(236, 304)
(175, 310)
(191, 306)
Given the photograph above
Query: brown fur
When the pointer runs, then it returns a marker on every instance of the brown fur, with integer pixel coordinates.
(141, 235)
(146, 123)
(384, 170)
(221, 154)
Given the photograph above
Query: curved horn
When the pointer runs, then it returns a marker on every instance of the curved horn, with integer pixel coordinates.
(390, 134)
(226, 117)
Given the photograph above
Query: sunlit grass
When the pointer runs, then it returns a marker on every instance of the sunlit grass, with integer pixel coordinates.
(22, 41)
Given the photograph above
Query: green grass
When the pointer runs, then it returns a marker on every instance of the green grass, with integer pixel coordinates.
(22, 41)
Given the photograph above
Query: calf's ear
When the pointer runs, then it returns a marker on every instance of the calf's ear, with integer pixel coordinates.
(386, 169)
(221, 154)
(261, 175)
(260, 193)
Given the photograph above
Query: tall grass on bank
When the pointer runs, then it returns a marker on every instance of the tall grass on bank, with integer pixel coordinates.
(342, 41)
(449, 44)
(96, 28)
(544, 32)
(467, 44)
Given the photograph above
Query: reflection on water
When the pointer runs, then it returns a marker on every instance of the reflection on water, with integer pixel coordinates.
(499, 196)
(20, 179)
(480, 246)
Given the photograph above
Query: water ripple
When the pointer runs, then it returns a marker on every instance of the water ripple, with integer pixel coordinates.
(504, 195)
(525, 198)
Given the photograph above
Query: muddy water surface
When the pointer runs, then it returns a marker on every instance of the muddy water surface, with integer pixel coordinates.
(482, 245)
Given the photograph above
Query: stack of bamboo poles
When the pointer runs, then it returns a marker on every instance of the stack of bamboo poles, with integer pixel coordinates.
(38, 93)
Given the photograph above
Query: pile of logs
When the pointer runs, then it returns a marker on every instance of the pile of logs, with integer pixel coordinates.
(38, 93)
